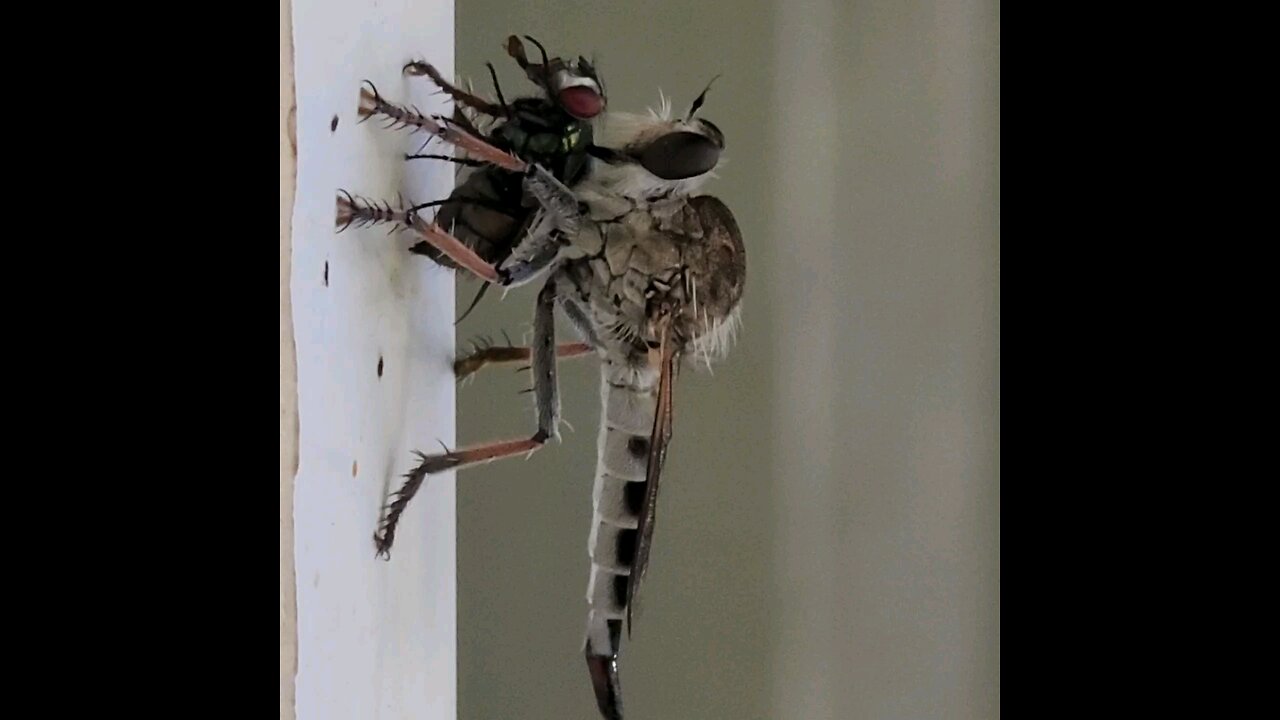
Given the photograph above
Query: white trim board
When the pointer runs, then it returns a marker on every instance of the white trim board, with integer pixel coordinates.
(375, 639)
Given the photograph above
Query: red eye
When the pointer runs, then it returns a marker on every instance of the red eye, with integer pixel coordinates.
(581, 101)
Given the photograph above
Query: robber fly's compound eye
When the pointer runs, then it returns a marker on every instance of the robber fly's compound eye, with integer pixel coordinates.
(681, 155)
(712, 132)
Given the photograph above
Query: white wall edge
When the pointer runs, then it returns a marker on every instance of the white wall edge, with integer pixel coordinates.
(375, 639)
(288, 371)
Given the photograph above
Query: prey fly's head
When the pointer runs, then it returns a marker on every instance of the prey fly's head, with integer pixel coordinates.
(573, 84)
(655, 154)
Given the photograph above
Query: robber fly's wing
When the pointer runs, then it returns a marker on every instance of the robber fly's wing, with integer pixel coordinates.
(658, 441)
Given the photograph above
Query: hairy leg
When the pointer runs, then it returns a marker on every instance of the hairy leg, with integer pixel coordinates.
(506, 354)
(458, 94)
(547, 398)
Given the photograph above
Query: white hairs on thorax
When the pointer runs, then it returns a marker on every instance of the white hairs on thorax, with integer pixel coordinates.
(714, 343)
(664, 107)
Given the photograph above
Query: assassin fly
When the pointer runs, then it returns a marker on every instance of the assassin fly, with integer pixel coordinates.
(651, 274)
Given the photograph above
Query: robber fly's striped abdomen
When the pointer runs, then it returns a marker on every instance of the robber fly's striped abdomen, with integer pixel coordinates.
(629, 401)
(624, 270)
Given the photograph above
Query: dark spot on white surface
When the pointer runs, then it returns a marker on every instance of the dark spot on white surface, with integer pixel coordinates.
(333, 124)
(379, 366)
(326, 273)
(355, 468)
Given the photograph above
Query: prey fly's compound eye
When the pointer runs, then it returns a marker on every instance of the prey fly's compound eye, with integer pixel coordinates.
(680, 155)
(581, 102)
(580, 96)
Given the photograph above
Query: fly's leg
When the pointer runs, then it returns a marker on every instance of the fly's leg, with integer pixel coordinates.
(559, 205)
(540, 246)
(487, 353)
(466, 162)
(483, 355)
(534, 253)
(547, 398)
(371, 104)
(458, 94)
(352, 211)
(581, 322)
(557, 200)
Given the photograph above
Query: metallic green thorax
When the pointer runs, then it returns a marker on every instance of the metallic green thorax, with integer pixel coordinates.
(542, 133)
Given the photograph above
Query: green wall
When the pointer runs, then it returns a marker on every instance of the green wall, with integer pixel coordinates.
(827, 544)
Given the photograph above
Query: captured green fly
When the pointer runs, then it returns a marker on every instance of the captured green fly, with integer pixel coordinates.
(489, 210)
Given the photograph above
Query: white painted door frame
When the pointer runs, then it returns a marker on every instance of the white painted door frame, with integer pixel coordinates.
(366, 345)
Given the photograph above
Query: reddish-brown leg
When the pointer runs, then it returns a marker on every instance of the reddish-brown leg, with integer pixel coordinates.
(351, 211)
(371, 103)
(543, 362)
(431, 464)
(508, 354)
(459, 95)
(452, 247)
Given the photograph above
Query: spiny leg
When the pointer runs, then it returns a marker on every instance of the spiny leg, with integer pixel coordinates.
(556, 199)
(461, 120)
(552, 194)
(572, 309)
(456, 250)
(534, 253)
(547, 399)
(536, 250)
(539, 246)
(581, 322)
(498, 354)
(431, 464)
(455, 199)
(361, 212)
(560, 206)
(371, 103)
(458, 94)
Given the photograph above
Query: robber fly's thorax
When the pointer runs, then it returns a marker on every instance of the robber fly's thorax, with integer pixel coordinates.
(639, 257)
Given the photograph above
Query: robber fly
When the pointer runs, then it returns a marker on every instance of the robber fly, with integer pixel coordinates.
(489, 211)
(650, 274)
